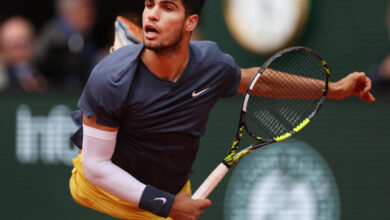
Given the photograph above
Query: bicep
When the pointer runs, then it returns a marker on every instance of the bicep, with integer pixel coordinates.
(246, 78)
(98, 141)
(92, 123)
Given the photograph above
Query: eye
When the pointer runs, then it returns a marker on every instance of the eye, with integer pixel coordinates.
(148, 4)
(168, 8)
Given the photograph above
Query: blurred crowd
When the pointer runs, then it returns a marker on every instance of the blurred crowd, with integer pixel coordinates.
(60, 55)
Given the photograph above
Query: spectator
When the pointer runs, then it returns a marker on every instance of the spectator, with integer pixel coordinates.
(17, 44)
(380, 73)
(66, 53)
(3, 75)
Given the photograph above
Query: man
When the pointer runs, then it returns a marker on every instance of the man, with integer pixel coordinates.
(144, 110)
(66, 53)
(17, 46)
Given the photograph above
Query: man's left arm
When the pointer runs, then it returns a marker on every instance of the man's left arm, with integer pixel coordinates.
(356, 83)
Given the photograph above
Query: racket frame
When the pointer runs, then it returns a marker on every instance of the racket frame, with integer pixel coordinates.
(233, 156)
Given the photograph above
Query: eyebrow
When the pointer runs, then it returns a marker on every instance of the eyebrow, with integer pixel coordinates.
(173, 2)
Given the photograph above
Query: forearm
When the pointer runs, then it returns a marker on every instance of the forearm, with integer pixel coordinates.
(334, 91)
(98, 148)
(112, 179)
(277, 84)
(99, 169)
(247, 75)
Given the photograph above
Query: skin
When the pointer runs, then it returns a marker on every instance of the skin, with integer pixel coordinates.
(166, 54)
(355, 84)
(17, 45)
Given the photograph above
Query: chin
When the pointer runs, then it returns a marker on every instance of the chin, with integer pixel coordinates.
(162, 48)
(151, 43)
(152, 46)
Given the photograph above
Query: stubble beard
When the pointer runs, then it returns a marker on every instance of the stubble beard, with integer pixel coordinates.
(168, 48)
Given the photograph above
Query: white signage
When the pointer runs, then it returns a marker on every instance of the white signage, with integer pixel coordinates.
(45, 139)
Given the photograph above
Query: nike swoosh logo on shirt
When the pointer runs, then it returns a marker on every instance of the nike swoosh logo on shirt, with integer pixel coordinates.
(195, 94)
(162, 199)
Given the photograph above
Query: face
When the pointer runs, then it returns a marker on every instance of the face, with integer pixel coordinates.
(164, 24)
(17, 41)
(82, 15)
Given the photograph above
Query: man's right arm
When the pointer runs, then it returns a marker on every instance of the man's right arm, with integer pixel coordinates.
(98, 147)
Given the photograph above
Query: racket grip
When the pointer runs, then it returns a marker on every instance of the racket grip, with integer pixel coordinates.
(211, 182)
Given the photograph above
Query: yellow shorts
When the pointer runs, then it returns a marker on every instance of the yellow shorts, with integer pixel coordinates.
(89, 195)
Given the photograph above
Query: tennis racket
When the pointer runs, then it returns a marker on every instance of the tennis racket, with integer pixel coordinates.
(282, 98)
(126, 33)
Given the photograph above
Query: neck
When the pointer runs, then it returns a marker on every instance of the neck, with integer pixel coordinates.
(169, 65)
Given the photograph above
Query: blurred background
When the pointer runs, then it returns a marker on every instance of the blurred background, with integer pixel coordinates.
(48, 49)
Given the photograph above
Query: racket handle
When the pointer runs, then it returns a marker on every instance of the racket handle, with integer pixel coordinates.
(211, 182)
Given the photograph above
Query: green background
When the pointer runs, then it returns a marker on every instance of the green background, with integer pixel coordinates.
(351, 135)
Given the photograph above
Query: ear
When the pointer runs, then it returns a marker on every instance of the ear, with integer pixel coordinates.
(191, 22)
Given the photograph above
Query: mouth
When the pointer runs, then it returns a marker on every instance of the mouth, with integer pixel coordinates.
(150, 31)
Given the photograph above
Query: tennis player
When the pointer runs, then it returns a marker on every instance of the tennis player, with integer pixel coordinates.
(144, 110)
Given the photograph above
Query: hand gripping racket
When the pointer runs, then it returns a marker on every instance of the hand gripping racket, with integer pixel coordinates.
(282, 98)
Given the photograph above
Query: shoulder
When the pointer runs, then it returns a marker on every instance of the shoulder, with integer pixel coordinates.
(208, 52)
(205, 49)
(117, 68)
(109, 83)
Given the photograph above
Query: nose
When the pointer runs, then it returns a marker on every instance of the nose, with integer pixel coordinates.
(153, 14)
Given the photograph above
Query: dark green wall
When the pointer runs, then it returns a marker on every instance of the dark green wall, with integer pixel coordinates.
(352, 136)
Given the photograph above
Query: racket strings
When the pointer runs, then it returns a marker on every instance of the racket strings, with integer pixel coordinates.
(285, 94)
